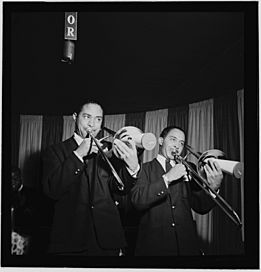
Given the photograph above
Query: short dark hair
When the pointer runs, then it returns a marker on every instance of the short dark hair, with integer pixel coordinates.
(166, 130)
(78, 109)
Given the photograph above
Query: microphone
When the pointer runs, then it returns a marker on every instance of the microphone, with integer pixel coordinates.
(68, 52)
(70, 36)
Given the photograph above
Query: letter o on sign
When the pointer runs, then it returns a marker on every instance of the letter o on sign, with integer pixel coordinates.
(71, 19)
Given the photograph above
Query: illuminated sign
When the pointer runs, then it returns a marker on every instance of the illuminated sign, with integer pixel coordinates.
(70, 26)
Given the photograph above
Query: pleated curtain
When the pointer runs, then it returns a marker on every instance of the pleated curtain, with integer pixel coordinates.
(200, 137)
(15, 139)
(114, 122)
(68, 127)
(155, 122)
(178, 117)
(29, 149)
(52, 130)
(226, 137)
(240, 109)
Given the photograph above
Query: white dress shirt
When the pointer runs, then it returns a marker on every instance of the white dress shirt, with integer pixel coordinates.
(162, 160)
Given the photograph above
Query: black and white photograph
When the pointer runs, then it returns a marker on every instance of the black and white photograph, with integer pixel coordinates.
(130, 135)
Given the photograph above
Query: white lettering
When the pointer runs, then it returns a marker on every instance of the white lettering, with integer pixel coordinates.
(70, 31)
(71, 19)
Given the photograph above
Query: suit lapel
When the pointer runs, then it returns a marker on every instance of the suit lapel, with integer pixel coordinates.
(70, 144)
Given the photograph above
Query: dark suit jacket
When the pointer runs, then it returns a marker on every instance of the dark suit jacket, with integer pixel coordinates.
(85, 215)
(166, 226)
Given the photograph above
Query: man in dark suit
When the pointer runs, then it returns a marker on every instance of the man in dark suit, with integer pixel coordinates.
(76, 176)
(165, 195)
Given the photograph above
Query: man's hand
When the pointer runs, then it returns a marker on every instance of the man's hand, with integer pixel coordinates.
(214, 174)
(84, 147)
(127, 151)
(176, 172)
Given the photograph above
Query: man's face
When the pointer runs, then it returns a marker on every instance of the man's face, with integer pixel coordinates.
(89, 119)
(172, 143)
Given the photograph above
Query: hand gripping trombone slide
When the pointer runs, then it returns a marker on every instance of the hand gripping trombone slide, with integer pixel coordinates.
(202, 182)
(118, 179)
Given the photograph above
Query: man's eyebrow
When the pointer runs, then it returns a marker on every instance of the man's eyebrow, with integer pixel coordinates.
(171, 136)
(85, 113)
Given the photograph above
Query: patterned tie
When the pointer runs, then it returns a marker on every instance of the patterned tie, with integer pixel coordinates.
(168, 165)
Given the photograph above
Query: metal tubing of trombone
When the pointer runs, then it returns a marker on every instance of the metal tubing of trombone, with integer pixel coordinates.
(189, 148)
(118, 179)
(234, 218)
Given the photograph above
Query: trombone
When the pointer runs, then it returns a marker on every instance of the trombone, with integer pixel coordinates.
(202, 182)
(115, 174)
(142, 140)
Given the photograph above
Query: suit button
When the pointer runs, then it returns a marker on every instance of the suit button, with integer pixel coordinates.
(162, 192)
(158, 194)
(77, 171)
(173, 224)
(92, 207)
(173, 207)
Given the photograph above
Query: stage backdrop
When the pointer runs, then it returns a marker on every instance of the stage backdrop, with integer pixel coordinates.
(215, 123)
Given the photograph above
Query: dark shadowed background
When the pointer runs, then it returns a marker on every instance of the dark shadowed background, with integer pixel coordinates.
(130, 58)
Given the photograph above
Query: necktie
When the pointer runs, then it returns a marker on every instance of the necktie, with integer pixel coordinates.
(168, 165)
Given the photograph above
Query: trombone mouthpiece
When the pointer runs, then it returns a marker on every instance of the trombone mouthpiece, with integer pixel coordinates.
(174, 153)
(89, 132)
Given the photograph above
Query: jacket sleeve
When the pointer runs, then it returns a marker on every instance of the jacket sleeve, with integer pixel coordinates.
(145, 193)
(126, 178)
(200, 201)
(60, 171)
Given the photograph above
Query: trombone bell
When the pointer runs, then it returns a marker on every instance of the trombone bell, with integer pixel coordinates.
(146, 141)
(234, 168)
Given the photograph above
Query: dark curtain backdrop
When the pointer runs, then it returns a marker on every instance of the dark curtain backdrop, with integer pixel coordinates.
(15, 137)
(227, 238)
(52, 130)
(179, 117)
(129, 216)
(135, 119)
(51, 134)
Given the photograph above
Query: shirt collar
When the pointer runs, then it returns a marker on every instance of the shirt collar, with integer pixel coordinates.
(162, 160)
(77, 138)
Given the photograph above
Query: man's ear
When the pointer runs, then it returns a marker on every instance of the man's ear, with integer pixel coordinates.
(74, 116)
(160, 140)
